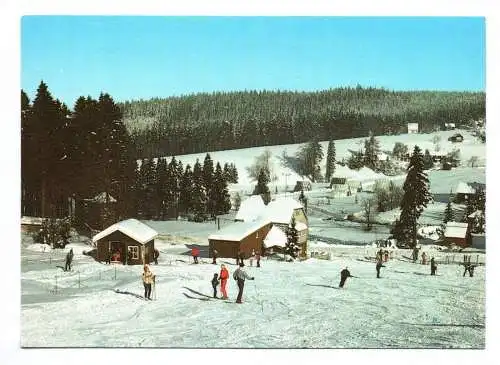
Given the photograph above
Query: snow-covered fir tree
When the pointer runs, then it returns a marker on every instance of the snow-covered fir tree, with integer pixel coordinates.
(415, 199)
(448, 213)
(330, 161)
(292, 237)
(372, 149)
(261, 188)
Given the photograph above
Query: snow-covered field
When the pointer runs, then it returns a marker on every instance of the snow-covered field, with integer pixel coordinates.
(288, 305)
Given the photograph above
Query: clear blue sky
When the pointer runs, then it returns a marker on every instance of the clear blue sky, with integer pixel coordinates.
(142, 57)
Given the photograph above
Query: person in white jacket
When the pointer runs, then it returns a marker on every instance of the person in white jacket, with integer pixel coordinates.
(240, 275)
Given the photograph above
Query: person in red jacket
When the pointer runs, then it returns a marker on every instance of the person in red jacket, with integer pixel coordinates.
(195, 252)
(223, 276)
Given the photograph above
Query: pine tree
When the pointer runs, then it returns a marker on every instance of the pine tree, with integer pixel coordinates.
(330, 161)
(208, 183)
(162, 186)
(416, 197)
(186, 190)
(372, 149)
(221, 193)
(292, 245)
(199, 195)
(448, 214)
(261, 188)
(309, 156)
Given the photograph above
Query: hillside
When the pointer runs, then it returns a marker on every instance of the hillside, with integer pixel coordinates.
(220, 121)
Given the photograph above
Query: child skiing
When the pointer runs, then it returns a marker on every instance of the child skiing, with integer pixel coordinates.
(240, 275)
(344, 274)
(223, 276)
(195, 252)
(215, 282)
(148, 279)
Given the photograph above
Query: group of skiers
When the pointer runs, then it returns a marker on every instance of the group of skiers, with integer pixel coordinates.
(239, 275)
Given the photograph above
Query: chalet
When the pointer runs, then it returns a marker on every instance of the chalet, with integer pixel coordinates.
(250, 209)
(449, 126)
(252, 227)
(438, 156)
(412, 128)
(457, 137)
(340, 187)
(239, 237)
(463, 192)
(457, 234)
(130, 242)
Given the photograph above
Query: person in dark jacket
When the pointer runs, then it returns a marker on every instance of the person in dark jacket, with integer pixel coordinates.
(379, 265)
(215, 282)
(156, 254)
(344, 274)
(108, 257)
(240, 275)
(433, 266)
(69, 259)
(241, 255)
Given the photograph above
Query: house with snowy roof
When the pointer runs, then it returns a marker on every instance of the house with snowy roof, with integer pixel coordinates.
(412, 128)
(130, 242)
(457, 233)
(252, 227)
(465, 191)
(239, 237)
(250, 209)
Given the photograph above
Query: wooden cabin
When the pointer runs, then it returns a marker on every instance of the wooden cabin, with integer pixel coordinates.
(129, 242)
(239, 237)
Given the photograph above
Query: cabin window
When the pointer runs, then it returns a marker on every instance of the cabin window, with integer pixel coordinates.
(134, 250)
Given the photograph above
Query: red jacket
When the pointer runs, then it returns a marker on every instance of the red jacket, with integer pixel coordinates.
(195, 251)
(224, 274)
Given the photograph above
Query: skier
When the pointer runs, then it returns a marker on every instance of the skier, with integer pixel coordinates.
(195, 252)
(129, 257)
(156, 254)
(215, 282)
(223, 276)
(344, 274)
(69, 258)
(148, 278)
(379, 265)
(257, 256)
(433, 266)
(415, 254)
(108, 257)
(424, 258)
(252, 256)
(214, 261)
(471, 270)
(240, 275)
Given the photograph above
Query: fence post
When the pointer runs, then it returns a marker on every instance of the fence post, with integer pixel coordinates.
(115, 271)
(55, 289)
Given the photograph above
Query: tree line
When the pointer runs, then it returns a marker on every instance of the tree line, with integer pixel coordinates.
(68, 156)
(229, 120)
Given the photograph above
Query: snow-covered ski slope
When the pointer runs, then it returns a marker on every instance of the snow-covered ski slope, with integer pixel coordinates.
(287, 305)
